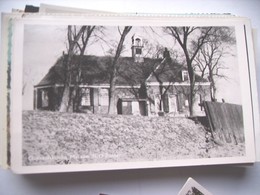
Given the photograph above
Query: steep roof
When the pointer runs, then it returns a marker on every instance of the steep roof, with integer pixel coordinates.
(95, 70)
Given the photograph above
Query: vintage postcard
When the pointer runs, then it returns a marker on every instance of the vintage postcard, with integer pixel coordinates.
(110, 91)
(191, 187)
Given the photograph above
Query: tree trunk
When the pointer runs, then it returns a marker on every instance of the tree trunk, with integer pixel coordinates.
(112, 101)
(66, 102)
(161, 96)
(191, 100)
(65, 99)
(213, 91)
(192, 86)
(112, 98)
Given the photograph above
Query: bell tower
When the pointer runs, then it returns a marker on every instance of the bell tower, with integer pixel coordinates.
(137, 48)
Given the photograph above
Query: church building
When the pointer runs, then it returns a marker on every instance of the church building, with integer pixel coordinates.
(144, 86)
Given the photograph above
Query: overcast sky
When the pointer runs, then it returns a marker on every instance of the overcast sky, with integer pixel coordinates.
(44, 44)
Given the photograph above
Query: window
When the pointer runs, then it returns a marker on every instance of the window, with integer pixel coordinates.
(138, 51)
(173, 103)
(85, 100)
(185, 75)
(138, 42)
(45, 99)
(135, 108)
(103, 97)
(157, 100)
(165, 101)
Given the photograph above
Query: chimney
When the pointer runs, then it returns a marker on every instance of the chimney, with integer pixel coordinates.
(166, 55)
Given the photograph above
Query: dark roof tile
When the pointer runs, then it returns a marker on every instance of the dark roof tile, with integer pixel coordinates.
(96, 71)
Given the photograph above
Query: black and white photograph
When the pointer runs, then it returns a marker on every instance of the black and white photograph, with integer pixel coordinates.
(194, 191)
(192, 187)
(102, 94)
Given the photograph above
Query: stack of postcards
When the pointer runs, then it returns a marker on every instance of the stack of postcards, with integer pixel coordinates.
(85, 90)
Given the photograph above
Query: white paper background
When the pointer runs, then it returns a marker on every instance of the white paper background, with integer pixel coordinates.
(217, 179)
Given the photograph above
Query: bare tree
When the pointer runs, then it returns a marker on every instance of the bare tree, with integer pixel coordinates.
(81, 45)
(190, 39)
(153, 51)
(209, 59)
(166, 75)
(77, 42)
(114, 69)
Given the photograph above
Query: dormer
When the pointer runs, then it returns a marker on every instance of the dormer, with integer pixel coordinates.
(137, 48)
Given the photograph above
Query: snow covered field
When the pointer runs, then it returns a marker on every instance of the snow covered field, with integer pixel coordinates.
(51, 138)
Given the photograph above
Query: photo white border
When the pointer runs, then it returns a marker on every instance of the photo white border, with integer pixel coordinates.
(135, 20)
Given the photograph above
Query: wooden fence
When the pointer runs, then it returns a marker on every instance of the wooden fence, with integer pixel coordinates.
(225, 121)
